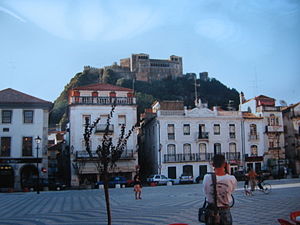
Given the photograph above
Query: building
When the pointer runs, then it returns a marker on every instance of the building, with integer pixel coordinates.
(180, 141)
(291, 121)
(274, 145)
(23, 118)
(90, 102)
(146, 69)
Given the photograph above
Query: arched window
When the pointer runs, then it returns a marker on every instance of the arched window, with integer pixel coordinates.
(202, 148)
(254, 150)
(171, 150)
(217, 148)
(187, 152)
(171, 153)
(253, 129)
(232, 147)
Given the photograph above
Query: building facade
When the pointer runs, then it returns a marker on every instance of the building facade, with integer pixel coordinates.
(179, 141)
(274, 144)
(23, 118)
(90, 102)
(291, 121)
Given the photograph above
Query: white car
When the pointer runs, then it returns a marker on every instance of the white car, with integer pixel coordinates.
(159, 179)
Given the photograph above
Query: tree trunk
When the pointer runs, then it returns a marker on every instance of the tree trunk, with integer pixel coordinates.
(106, 192)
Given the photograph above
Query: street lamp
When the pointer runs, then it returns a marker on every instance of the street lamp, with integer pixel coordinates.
(278, 155)
(37, 141)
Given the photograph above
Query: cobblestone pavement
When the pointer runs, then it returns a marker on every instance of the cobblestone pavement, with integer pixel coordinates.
(160, 205)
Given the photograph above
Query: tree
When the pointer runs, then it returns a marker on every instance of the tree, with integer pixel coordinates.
(107, 153)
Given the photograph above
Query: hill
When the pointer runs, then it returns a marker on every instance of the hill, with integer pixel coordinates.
(211, 91)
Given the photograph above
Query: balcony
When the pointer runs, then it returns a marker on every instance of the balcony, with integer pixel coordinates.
(126, 155)
(203, 136)
(89, 100)
(253, 137)
(199, 157)
(270, 129)
(232, 135)
(193, 157)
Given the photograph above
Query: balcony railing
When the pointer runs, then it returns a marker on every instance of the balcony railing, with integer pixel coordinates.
(89, 100)
(198, 157)
(127, 154)
(277, 128)
(232, 135)
(203, 135)
(253, 137)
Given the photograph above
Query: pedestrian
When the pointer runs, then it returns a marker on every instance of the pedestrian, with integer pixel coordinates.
(137, 188)
(252, 178)
(225, 186)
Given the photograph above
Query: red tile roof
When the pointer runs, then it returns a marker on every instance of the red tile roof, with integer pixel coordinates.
(248, 115)
(102, 87)
(11, 96)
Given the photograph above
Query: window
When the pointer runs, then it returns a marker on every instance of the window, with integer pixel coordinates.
(187, 149)
(217, 148)
(28, 116)
(171, 132)
(27, 146)
(253, 129)
(216, 129)
(86, 119)
(232, 147)
(202, 148)
(122, 120)
(5, 146)
(253, 150)
(103, 119)
(186, 129)
(171, 150)
(272, 120)
(231, 130)
(6, 116)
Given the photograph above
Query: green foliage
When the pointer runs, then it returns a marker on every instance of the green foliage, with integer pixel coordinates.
(211, 91)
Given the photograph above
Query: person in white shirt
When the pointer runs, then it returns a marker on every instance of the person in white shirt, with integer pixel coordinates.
(226, 184)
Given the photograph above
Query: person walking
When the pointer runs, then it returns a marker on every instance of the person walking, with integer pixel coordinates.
(225, 186)
(137, 188)
(252, 178)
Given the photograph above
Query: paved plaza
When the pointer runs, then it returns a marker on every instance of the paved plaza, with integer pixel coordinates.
(160, 205)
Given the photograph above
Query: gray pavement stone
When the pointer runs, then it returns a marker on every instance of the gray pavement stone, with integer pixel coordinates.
(161, 205)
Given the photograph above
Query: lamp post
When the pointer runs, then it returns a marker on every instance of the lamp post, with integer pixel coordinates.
(278, 149)
(37, 141)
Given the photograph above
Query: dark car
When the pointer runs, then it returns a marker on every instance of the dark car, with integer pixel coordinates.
(265, 174)
(57, 185)
(32, 183)
(117, 180)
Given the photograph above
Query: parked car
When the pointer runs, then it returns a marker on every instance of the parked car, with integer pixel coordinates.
(265, 174)
(186, 179)
(57, 185)
(117, 180)
(159, 179)
(33, 182)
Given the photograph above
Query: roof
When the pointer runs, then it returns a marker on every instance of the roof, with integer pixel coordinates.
(248, 115)
(263, 96)
(103, 87)
(290, 106)
(11, 96)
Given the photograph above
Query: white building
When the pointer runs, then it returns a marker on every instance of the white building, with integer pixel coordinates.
(23, 118)
(274, 145)
(178, 141)
(91, 102)
(291, 121)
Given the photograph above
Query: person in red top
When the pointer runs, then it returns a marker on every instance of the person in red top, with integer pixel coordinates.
(252, 178)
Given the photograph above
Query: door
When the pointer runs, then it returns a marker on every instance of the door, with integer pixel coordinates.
(202, 171)
(172, 172)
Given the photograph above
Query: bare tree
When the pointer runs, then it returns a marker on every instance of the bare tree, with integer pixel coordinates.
(107, 153)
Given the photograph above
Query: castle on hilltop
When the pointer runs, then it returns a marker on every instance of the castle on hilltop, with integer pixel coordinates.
(141, 67)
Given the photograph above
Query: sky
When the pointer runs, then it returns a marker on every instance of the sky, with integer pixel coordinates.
(250, 45)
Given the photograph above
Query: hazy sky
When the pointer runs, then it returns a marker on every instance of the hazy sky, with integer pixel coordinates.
(250, 45)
